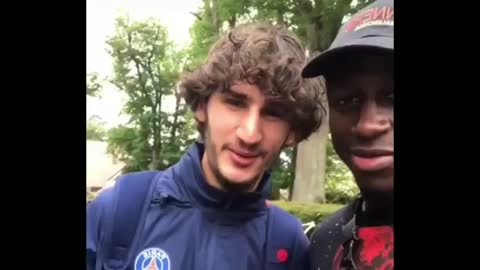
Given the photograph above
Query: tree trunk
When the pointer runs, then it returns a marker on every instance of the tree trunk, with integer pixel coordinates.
(177, 112)
(292, 168)
(214, 14)
(309, 184)
(155, 159)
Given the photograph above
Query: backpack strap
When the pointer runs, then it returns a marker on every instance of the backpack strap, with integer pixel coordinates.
(332, 233)
(131, 199)
(281, 240)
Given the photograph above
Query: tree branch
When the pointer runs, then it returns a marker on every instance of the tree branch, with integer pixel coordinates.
(140, 79)
(173, 132)
(196, 15)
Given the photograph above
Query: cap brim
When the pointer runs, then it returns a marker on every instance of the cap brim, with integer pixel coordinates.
(321, 64)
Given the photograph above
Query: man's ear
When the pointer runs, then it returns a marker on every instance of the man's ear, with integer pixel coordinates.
(201, 112)
(290, 139)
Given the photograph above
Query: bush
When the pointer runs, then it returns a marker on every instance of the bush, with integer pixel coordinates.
(275, 191)
(340, 187)
(341, 191)
(307, 212)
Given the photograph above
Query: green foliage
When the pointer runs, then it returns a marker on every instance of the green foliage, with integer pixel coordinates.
(213, 18)
(274, 11)
(203, 34)
(234, 12)
(341, 191)
(316, 22)
(96, 129)
(283, 172)
(340, 186)
(129, 145)
(94, 85)
(275, 192)
(146, 68)
(307, 212)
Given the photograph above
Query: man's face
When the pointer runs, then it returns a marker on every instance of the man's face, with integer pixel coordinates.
(361, 120)
(244, 133)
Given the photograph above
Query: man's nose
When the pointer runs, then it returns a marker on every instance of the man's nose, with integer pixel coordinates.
(250, 130)
(372, 121)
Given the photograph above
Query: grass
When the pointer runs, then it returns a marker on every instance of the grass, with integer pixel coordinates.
(309, 211)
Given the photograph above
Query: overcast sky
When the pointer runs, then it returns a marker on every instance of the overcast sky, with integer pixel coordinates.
(175, 14)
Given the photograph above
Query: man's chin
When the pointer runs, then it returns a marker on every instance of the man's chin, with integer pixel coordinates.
(376, 185)
(239, 181)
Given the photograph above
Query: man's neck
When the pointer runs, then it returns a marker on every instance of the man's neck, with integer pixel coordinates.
(375, 210)
(378, 205)
(377, 200)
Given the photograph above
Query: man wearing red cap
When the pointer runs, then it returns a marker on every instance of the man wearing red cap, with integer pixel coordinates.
(358, 70)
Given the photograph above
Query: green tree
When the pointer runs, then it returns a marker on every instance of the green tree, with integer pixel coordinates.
(129, 145)
(96, 129)
(203, 33)
(146, 68)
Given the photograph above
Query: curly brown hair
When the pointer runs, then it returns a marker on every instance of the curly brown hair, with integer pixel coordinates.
(265, 55)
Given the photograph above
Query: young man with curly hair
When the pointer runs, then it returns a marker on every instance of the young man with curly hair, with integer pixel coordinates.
(209, 210)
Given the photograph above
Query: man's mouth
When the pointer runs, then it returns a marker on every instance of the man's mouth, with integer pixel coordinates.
(372, 159)
(243, 158)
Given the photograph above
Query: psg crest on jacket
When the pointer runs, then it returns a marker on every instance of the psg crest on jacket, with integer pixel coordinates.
(152, 259)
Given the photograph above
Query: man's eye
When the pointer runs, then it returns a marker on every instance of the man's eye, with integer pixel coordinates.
(235, 102)
(274, 113)
(349, 101)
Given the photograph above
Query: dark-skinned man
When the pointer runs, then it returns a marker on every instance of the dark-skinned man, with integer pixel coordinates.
(358, 71)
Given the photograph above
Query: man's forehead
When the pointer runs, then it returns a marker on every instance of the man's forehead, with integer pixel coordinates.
(361, 81)
(270, 97)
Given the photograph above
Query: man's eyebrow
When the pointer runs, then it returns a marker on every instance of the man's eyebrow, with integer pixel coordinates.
(231, 93)
(278, 102)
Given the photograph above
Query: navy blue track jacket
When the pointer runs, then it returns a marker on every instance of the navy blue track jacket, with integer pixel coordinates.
(200, 228)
